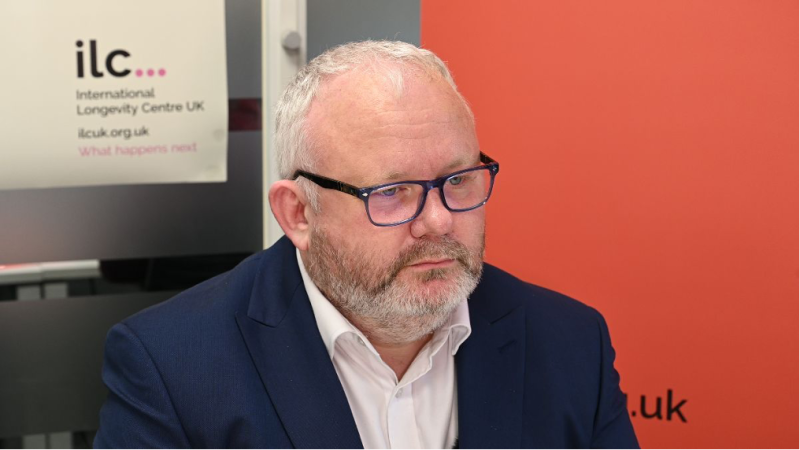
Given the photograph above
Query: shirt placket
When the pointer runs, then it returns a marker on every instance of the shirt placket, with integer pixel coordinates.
(402, 423)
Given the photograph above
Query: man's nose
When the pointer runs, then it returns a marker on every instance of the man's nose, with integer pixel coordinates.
(435, 219)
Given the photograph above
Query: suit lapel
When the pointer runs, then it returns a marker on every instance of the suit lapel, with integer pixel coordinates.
(490, 371)
(283, 339)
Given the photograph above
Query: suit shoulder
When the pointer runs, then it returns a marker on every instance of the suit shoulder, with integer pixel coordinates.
(222, 293)
(538, 300)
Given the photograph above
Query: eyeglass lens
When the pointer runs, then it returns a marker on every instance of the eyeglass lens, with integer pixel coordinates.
(399, 202)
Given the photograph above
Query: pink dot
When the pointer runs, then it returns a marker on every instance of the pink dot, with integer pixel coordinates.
(162, 72)
(150, 72)
(139, 72)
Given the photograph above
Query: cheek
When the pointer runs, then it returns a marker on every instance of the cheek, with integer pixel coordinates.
(342, 217)
(469, 227)
(357, 237)
(383, 245)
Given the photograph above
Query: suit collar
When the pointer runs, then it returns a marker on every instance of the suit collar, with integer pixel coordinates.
(491, 300)
(490, 367)
(282, 337)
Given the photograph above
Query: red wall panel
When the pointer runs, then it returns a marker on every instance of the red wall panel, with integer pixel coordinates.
(649, 157)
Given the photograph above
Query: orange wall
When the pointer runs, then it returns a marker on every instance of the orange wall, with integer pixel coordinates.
(649, 167)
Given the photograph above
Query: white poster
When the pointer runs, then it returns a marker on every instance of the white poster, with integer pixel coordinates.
(98, 92)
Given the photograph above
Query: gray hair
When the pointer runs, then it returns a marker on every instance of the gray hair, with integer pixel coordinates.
(292, 143)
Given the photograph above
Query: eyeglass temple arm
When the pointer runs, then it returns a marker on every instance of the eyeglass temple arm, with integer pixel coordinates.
(329, 183)
(486, 159)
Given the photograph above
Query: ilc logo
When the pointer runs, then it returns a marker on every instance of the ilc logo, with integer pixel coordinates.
(113, 68)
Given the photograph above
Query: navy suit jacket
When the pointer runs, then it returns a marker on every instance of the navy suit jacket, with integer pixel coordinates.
(238, 361)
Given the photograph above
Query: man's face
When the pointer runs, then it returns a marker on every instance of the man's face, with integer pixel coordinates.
(404, 280)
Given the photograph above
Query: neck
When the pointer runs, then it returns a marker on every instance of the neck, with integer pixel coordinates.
(399, 356)
(396, 353)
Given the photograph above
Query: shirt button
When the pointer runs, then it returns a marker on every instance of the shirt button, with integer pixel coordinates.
(399, 392)
(361, 341)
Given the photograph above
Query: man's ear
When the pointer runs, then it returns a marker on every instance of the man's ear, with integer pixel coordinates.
(288, 203)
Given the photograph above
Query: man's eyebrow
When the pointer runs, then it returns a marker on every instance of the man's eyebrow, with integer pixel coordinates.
(461, 162)
(383, 179)
(403, 176)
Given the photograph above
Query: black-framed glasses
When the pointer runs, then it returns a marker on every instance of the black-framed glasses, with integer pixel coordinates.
(393, 204)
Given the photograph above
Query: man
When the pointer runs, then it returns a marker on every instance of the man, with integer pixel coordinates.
(374, 322)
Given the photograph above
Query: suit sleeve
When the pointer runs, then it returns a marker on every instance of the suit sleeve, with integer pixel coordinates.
(612, 425)
(138, 412)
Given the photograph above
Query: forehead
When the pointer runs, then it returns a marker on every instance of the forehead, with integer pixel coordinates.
(364, 130)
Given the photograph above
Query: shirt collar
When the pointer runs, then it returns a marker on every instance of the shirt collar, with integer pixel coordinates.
(332, 323)
(459, 326)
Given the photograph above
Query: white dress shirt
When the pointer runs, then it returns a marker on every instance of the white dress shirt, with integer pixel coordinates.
(418, 411)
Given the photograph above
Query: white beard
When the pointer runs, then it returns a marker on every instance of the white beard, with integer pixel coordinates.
(386, 308)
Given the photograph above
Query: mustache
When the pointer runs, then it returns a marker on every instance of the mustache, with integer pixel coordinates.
(444, 248)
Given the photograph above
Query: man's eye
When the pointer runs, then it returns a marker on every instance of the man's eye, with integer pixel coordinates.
(455, 181)
(388, 192)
